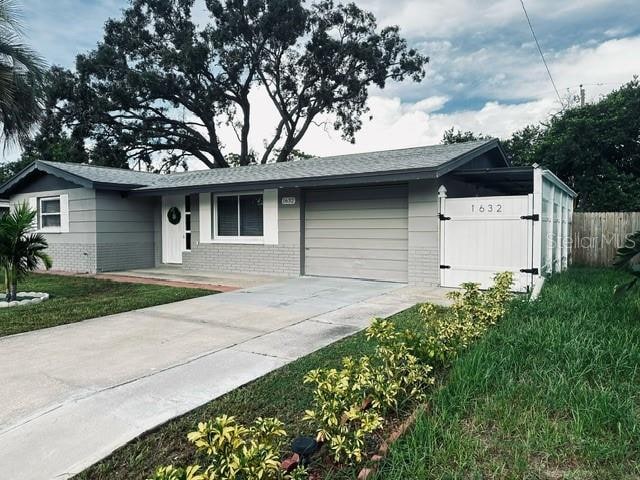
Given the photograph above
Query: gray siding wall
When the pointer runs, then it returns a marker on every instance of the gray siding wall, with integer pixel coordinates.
(74, 251)
(282, 259)
(424, 252)
(125, 231)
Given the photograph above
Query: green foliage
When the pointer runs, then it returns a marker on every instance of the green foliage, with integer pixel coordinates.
(594, 149)
(628, 259)
(21, 251)
(337, 408)
(458, 136)
(21, 79)
(520, 146)
(77, 298)
(350, 403)
(442, 336)
(235, 452)
(130, 95)
(550, 392)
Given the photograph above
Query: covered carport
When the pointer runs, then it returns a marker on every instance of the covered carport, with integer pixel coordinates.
(503, 219)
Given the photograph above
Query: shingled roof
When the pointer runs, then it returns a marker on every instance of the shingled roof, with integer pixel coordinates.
(431, 161)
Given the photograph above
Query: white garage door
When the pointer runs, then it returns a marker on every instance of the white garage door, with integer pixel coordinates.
(357, 232)
(481, 236)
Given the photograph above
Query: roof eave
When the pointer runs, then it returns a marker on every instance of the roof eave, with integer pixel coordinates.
(333, 180)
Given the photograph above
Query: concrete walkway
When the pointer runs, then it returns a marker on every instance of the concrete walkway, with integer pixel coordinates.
(177, 275)
(72, 394)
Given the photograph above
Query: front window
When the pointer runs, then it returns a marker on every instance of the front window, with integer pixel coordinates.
(239, 215)
(50, 213)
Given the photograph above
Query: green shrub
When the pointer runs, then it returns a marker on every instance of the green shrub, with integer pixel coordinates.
(349, 403)
(234, 451)
(337, 408)
(442, 336)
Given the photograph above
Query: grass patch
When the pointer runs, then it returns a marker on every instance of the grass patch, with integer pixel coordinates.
(78, 298)
(279, 394)
(553, 391)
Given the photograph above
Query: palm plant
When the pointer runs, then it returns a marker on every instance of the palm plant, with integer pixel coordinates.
(22, 74)
(21, 251)
(628, 258)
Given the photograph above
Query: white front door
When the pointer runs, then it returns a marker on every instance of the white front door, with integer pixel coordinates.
(173, 228)
(482, 236)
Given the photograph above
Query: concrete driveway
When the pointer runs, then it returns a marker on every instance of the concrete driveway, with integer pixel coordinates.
(72, 394)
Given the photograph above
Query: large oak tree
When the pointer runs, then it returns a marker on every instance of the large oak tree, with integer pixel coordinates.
(163, 83)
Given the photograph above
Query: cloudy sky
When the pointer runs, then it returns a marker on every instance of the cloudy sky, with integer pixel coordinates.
(485, 73)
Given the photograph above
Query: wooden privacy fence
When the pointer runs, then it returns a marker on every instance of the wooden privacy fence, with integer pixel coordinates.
(597, 235)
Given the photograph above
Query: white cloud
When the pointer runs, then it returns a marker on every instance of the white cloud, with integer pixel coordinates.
(485, 73)
(398, 125)
(395, 123)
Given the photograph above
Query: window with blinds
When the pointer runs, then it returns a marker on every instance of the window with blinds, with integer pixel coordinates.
(239, 215)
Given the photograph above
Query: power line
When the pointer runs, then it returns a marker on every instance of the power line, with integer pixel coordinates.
(541, 54)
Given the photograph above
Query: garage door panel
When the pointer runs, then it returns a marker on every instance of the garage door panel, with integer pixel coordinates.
(375, 223)
(351, 213)
(349, 270)
(357, 233)
(396, 192)
(384, 244)
(362, 206)
(358, 253)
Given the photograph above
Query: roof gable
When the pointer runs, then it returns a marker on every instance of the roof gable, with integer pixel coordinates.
(88, 176)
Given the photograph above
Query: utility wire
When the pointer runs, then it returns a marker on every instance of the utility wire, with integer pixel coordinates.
(541, 54)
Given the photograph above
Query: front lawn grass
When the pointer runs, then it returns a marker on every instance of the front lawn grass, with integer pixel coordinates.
(553, 391)
(79, 298)
(279, 394)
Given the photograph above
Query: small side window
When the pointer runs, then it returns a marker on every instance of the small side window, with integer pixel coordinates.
(50, 213)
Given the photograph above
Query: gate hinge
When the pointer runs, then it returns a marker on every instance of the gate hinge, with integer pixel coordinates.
(533, 271)
(443, 218)
(445, 266)
(535, 217)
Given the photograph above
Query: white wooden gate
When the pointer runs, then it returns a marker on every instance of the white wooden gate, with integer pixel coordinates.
(482, 236)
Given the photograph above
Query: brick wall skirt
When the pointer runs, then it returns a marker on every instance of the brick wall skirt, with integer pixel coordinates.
(73, 257)
(423, 266)
(283, 260)
(125, 256)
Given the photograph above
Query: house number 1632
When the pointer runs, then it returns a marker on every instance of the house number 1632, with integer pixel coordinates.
(489, 208)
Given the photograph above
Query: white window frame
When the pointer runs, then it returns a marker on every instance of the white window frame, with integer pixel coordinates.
(236, 238)
(41, 213)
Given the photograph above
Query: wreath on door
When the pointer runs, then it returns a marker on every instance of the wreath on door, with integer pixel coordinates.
(174, 215)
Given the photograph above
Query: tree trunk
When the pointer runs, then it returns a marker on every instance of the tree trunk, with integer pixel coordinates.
(244, 134)
(11, 284)
(7, 285)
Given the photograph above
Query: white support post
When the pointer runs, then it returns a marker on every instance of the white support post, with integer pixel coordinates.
(442, 197)
(570, 231)
(537, 226)
(565, 230)
(559, 197)
(204, 215)
(550, 236)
